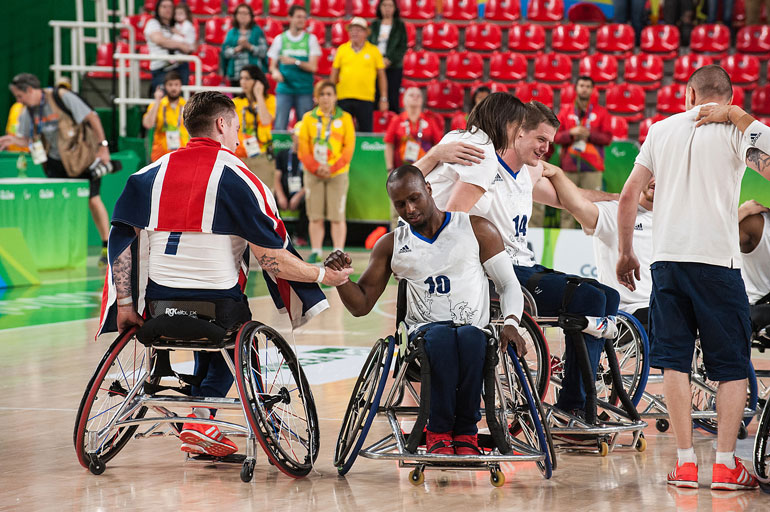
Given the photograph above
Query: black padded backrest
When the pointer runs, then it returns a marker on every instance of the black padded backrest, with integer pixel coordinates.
(182, 328)
(401, 302)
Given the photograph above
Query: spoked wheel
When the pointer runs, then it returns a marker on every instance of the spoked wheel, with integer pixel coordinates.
(762, 447)
(121, 369)
(277, 399)
(363, 405)
(632, 351)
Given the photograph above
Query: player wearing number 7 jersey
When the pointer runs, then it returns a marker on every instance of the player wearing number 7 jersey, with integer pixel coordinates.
(442, 256)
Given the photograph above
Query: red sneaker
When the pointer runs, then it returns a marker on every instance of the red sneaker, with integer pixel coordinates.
(685, 475)
(466, 445)
(440, 443)
(207, 437)
(737, 479)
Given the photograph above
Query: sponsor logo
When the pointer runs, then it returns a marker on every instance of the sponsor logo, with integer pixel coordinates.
(175, 312)
(372, 146)
(46, 193)
(497, 178)
(83, 192)
(404, 249)
(754, 137)
(7, 195)
(638, 227)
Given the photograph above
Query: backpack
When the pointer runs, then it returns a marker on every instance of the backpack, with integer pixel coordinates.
(77, 143)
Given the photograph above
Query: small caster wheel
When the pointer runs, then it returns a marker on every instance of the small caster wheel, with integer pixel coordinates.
(603, 448)
(247, 471)
(96, 466)
(661, 425)
(742, 432)
(497, 478)
(416, 477)
(641, 444)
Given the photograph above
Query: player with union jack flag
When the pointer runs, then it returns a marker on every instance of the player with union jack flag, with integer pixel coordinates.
(184, 229)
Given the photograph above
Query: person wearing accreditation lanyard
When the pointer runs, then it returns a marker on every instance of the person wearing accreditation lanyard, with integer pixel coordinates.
(327, 140)
(256, 111)
(410, 134)
(288, 187)
(164, 115)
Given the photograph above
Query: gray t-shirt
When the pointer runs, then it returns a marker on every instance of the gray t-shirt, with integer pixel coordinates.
(47, 122)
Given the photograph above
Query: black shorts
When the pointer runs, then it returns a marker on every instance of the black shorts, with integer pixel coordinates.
(55, 169)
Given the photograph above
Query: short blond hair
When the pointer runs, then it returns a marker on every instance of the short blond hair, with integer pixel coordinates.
(323, 84)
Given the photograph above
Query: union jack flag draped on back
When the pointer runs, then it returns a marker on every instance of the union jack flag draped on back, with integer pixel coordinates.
(202, 188)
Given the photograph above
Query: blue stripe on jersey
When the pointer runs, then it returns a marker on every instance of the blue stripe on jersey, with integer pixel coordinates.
(134, 204)
(172, 244)
(505, 166)
(431, 240)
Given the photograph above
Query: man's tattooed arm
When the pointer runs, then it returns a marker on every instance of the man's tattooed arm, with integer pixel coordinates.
(759, 161)
(270, 263)
(121, 273)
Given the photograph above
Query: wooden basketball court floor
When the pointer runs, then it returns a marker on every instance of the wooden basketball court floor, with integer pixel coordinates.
(47, 355)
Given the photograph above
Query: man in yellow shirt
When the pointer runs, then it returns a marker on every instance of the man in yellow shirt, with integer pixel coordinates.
(357, 69)
(165, 115)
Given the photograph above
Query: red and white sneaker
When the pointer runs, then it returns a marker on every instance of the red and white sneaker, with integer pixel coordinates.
(737, 479)
(685, 475)
(193, 449)
(439, 443)
(208, 437)
(466, 444)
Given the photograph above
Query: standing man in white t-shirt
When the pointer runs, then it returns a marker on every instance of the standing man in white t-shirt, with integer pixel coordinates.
(697, 287)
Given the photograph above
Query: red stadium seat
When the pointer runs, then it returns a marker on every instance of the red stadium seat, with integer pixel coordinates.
(743, 70)
(209, 55)
(685, 65)
(619, 128)
(144, 65)
(502, 10)
(535, 91)
(444, 95)
(460, 10)
(553, 68)
(760, 100)
(437, 119)
(149, 5)
(137, 21)
(212, 80)
(281, 7)
(483, 37)
(325, 61)
(327, 8)
(205, 7)
(365, 8)
(272, 29)
(645, 70)
(549, 12)
(215, 30)
(318, 29)
(381, 120)
(710, 39)
(567, 95)
(458, 121)
(339, 33)
(493, 86)
(440, 36)
(644, 126)
(526, 38)
(411, 35)
(754, 39)
(602, 68)
(507, 67)
(256, 5)
(421, 65)
(739, 97)
(662, 40)
(104, 57)
(615, 39)
(626, 100)
(671, 99)
(586, 13)
(418, 9)
(571, 39)
(464, 66)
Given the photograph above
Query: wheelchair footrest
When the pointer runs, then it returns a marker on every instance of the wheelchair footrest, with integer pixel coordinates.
(236, 458)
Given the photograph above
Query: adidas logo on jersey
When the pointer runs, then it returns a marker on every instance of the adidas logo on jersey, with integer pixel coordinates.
(753, 138)
(404, 249)
(497, 178)
(638, 227)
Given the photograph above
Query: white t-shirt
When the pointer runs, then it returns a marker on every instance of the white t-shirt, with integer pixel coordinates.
(151, 27)
(698, 176)
(195, 260)
(185, 31)
(756, 265)
(275, 49)
(605, 239)
(444, 176)
(382, 38)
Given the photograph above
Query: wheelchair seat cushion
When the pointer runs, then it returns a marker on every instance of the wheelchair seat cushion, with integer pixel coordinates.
(181, 328)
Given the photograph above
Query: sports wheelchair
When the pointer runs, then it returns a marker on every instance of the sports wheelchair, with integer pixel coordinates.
(620, 380)
(130, 396)
(513, 411)
(760, 340)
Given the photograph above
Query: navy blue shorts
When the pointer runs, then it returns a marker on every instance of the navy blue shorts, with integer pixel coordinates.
(692, 300)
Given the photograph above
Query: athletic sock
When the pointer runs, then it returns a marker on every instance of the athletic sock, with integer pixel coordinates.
(686, 456)
(317, 251)
(200, 412)
(339, 249)
(726, 458)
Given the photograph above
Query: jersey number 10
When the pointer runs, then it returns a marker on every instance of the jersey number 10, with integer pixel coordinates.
(438, 285)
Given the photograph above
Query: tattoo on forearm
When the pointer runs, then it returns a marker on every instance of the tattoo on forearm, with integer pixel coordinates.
(121, 273)
(758, 160)
(269, 263)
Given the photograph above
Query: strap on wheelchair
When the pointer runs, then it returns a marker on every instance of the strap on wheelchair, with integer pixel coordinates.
(416, 436)
(617, 383)
(495, 429)
(535, 278)
(589, 383)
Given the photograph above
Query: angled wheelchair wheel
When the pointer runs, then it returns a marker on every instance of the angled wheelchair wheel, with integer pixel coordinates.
(363, 405)
(632, 349)
(276, 399)
(120, 371)
(762, 447)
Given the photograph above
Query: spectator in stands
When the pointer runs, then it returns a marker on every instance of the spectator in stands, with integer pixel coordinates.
(754, 11)
(459, 119)
(256, 110)
(288, 185)
(293, 60)
(326, 143)
(159, 32)
(244, 44)
(682, 14)
(39, 130)
(727, 11)
(410, 134)
(582, 135)
(357, 68)
(165, 116)
(389, 34)
(184, 30)
(632, 11)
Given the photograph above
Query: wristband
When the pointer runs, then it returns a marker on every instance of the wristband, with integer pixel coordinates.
(297, 62)
(321, 274)
(125, 301)
(511, 321)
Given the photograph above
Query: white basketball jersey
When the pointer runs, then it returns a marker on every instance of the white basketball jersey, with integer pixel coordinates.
(510, 211)
(445, 279)
(756, 265)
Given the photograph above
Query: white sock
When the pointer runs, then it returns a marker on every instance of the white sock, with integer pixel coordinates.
(316, 251)
(726, 458)
(339, 249)
(200, 412)
(686, 456)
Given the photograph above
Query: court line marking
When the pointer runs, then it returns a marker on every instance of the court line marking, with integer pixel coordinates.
(41, 409)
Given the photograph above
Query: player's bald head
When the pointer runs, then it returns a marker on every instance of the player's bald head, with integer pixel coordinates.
(408, 175)
(711, 82)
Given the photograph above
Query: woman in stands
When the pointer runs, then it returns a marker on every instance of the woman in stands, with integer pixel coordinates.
(256, 111)
(244, 44)
(159, 32)
(389, 35)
